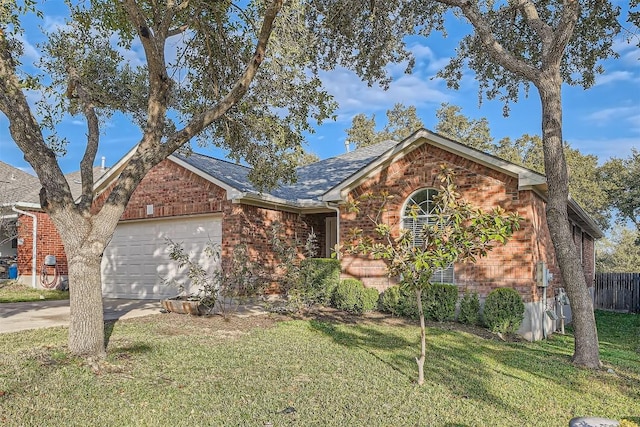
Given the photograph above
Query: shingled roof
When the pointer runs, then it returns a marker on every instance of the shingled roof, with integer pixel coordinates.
(19, 187)
(16, 184)
(313, 180)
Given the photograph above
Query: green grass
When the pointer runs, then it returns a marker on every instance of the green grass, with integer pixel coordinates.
(178, 370)
(11, 291)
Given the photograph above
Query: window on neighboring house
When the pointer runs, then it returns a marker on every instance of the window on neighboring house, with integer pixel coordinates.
(421, 202)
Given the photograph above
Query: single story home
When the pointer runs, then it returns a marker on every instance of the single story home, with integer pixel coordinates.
(195, 199)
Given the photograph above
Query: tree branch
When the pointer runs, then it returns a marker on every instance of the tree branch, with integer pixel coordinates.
(563, 33)
(93, 139)
(150, 151)
(530, 13)
(159, 82)
(199, 122)
(497, 52)
(27, 134)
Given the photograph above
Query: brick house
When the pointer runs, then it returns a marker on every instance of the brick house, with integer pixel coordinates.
(197, 199)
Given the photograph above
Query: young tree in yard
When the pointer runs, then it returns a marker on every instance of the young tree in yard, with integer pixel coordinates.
(514, 44)
(241, 76)
(455, 232)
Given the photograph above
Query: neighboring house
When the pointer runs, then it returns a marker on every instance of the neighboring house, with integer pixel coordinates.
(42, 240)
(15, 184)
(197, 199)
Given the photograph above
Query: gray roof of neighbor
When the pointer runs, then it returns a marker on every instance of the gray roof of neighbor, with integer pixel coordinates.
(313, 180)
(75, 180)
(19, 186)
(16, 185)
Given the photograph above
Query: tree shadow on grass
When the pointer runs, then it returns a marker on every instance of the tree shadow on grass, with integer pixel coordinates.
(108, 330)
(120, 349)
(371, 341)
(455, 368)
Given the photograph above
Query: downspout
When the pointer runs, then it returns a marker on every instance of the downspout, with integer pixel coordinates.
(34, 249)
(337, 210)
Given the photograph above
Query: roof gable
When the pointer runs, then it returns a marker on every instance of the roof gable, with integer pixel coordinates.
(526, 177)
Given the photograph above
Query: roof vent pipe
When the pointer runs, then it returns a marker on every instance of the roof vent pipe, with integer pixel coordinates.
(102, 164)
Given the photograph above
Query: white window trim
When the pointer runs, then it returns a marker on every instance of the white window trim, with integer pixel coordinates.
(442, 275)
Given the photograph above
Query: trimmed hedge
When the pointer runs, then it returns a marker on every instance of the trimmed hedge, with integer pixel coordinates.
(438, 302)
(319, 277)
(351, 296)
(503, 310)
(390, 301)
(469, 309)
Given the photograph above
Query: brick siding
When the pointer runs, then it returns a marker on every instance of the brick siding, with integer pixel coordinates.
(173, 191)
(251, 226)
(512, 265)
(48, 243)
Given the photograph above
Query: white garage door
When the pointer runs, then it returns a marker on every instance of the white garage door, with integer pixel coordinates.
(136, 263)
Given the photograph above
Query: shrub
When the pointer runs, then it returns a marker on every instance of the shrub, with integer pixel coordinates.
(351, 296)
(408, 304)
(370, 298)
(347, 295)
(503, 310)
(439, 301)
(319, 278)
(390, 300)
(469, 309)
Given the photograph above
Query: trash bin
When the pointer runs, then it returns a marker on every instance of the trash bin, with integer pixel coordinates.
(13, 271)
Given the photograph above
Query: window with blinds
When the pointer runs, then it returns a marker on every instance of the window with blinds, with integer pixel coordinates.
(417, 213)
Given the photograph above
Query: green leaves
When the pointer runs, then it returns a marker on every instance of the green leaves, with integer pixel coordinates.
(621, 181)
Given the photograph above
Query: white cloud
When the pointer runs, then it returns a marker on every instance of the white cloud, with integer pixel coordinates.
(604, 116)
(614, 77)
(30, 54)
(635, 122)
(355, 96)
(427, 60)
(607, 148)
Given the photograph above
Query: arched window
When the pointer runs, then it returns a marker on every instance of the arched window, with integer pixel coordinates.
(418, 211)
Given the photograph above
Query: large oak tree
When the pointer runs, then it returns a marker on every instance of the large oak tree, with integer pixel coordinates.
(243, 76)
(514, 44)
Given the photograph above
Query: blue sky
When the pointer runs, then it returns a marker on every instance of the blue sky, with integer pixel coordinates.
(604, 120)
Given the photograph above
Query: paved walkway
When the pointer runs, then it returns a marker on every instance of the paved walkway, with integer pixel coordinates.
(20, 316)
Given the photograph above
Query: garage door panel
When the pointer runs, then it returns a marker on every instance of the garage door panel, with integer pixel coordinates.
(136, 263)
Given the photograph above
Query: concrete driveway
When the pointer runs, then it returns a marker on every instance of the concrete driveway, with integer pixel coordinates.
(20, 316)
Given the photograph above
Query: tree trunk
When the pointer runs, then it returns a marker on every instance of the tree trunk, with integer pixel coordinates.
(85, 239)
(86, 326)
(586, 352)
(423, 339)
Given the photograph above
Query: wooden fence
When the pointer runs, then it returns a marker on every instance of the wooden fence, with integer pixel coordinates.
(617, 291)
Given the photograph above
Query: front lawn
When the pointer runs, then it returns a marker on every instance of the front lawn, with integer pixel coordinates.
(11, 291)
(173, 370)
